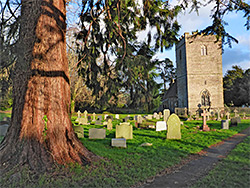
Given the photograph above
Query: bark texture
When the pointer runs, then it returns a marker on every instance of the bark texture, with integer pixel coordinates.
(41, 89)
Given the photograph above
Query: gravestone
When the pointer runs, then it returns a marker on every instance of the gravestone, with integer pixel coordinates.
(83, 121)
(173, 127)
(109, 124)
(3, 128)
(105, 116)
(94, 115)
(139, 119)
(154, 115)
(166, 114)
(99, 118)
(78, 114)
(236, 113)
(205, 126)
(126, 119)
(225, 124)
(98, 122)
(244, 115)
(157, 117)
(89, 118)
(95, 133)
(235, 121)
(117, 116)
(228, 115)
(79, 131)
(124, 130)
(160, 114)
(151, 126)
(135, 118)
(109, 117)
(218, 115)
(150, 116)
(185, 112)
(85, 114)
(161, 126)
(118, 142)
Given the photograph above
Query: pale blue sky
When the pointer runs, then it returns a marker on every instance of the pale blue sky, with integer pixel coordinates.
(239, 54)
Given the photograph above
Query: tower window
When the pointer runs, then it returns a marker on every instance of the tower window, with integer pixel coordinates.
(203, 50)
(180, 54)
(205, 98)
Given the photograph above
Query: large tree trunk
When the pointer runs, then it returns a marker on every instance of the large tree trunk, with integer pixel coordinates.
(41, 88)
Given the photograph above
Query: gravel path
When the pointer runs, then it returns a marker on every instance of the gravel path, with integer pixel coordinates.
(193, 170)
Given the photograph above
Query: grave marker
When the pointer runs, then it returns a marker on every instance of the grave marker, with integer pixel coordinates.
(205, 126)
(95, 133)
(117, 116)
(124, 130)
(79, 131)
(161, 126)
(3, 128)
(94, 115)
(173, 127)
(109, 124)
(166, 114)
(118, 142)
(225, 124)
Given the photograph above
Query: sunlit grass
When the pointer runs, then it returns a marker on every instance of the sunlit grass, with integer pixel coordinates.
(233, 171)
(125, 167)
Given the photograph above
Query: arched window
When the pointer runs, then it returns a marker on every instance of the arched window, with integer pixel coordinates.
(203, 50)
(205, 98)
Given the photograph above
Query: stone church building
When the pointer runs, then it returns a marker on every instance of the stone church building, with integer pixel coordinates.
(199, 80)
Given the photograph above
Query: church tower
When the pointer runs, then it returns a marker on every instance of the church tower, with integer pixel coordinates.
(199, 72)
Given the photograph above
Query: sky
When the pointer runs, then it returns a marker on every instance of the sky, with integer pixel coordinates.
(239, 54)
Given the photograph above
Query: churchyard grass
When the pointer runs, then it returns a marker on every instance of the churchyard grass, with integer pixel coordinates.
(233, 171)
(126, 167)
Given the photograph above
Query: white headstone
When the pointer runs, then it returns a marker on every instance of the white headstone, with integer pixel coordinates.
(161, 126)
(117, 116)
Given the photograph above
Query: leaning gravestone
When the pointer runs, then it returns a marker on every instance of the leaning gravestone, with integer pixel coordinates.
(79, 131)
(166, 114)
(109, 124)
(173, 127)
(95, 133)
(118, 142)
(161, 126)
(124, 130)
(225, 124)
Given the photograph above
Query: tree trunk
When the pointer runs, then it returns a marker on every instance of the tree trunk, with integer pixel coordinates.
(41, 89)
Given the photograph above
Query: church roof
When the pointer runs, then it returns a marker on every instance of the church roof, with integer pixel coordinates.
(171, 92)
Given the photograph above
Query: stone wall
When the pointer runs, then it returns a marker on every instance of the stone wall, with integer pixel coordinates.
(199, 70)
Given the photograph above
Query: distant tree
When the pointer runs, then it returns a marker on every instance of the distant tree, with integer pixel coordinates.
(167, 71)
(236, 84)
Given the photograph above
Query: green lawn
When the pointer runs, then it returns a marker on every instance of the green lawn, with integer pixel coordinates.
(126, 167)
(233, 171)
